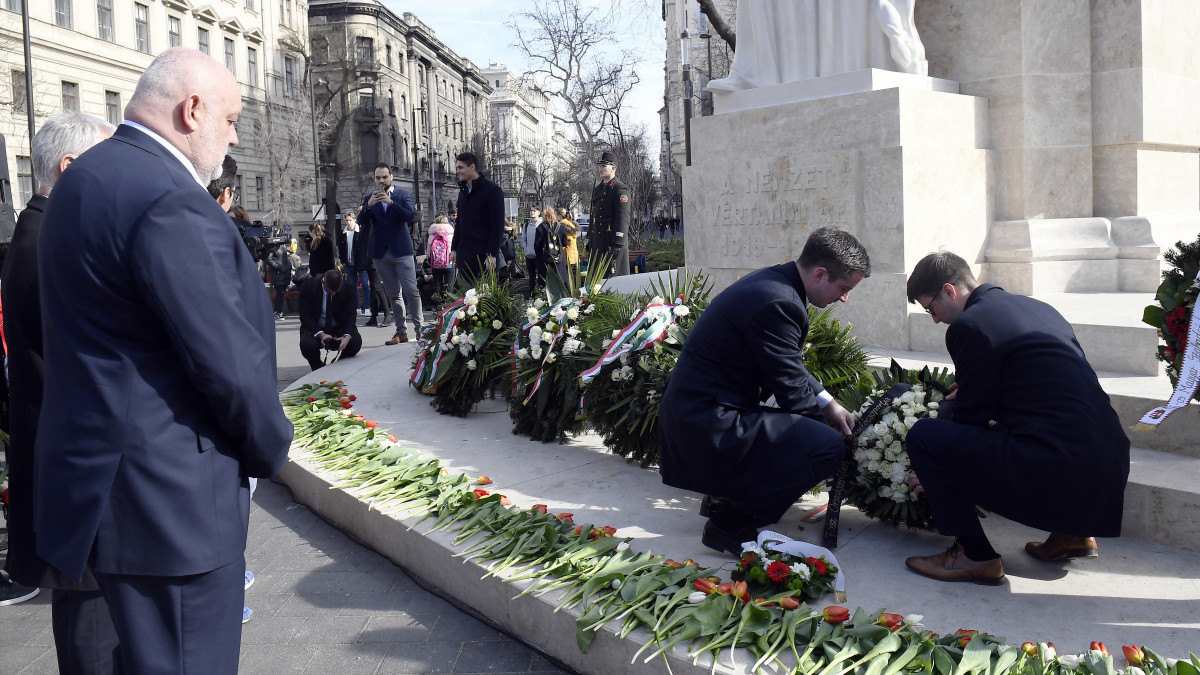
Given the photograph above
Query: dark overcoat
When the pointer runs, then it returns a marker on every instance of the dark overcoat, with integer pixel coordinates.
(608, 233)
(479, 227)
(1057, 457)
(160, 393)
(715, 436)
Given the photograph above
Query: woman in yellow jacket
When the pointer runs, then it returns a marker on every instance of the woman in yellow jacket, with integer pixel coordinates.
(572, 230)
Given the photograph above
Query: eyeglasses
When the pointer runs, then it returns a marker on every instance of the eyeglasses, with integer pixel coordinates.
(929, 308)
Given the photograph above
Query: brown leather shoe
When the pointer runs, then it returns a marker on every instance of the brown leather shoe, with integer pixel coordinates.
(952, 565)
(397, 339)
(1062, 547)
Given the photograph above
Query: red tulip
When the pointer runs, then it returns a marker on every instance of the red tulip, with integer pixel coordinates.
(888, 620)
(967, 635)
(725, 588)
(705, 585)
(609, 531)
(344, 392)
(504, 501)
(1134, 655)
(789, 603)
(359, 418)
(836, 614)
(371, 424)
(540, 508)
(480, 493)
(1099, 647)
(393, 439)
(671, 563)
(324, 381)
(312, 399)
(484, 480)
(352, 397)
(346, 405)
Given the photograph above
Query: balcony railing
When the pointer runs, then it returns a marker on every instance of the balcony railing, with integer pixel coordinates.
(368, 114)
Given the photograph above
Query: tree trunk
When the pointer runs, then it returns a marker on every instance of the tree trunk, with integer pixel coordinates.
(718, 23)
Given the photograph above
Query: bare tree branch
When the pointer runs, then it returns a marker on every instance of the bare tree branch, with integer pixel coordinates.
(718, 22)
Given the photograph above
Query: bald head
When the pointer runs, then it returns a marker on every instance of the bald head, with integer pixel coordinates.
(192, 101)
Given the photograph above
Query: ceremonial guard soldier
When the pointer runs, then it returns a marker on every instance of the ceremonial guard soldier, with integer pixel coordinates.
(608, 233)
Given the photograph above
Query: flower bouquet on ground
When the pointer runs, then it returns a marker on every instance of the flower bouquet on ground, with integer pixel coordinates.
(1176, 300)
(888, 406)
(465, 352)
(544, 396)
(769, 572)
(630, 368)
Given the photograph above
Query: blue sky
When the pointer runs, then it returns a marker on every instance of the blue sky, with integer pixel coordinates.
(475, 29)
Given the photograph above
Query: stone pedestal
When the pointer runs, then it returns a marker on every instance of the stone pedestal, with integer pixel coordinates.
(903, 169)
(871, 79)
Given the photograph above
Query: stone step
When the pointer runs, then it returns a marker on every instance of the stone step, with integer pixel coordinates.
(1131, 395)
(1108, 326)
(1162, 500)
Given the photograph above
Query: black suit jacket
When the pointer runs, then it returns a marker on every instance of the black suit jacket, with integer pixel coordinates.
(340, 313)
(160, 392)
(1017, 362)
(746, 346)
(23, 332)
(479, 227)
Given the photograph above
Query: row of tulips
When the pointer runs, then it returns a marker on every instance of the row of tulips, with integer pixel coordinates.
(676, 603)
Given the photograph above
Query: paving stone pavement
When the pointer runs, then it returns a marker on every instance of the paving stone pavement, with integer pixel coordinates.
(322, 602)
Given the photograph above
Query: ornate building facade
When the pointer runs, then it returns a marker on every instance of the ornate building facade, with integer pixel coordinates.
(87, 56)
(388, 90)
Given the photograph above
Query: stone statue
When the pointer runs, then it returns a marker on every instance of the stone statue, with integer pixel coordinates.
(789, 40)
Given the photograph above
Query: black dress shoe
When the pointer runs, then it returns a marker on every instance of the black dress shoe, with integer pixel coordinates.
(728, 541)
(711, 503)
(371, 322)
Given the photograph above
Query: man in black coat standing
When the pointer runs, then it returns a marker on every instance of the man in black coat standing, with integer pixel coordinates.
(84, 636)
(715, 436)
(609, 232)
(1027, 420)
(480, 225)
(327, 313)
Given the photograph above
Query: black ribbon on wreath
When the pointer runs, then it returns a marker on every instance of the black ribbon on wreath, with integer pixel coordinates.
(845, 472)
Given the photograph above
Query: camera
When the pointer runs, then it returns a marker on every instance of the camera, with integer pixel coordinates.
(332, 344)
(260, 240)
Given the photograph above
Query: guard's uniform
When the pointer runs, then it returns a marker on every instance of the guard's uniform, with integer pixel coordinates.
(608, 233)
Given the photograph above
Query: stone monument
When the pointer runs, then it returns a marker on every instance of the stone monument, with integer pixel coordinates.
(1054, 148)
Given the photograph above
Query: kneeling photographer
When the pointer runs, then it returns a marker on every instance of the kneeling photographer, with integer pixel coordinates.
(327, 314)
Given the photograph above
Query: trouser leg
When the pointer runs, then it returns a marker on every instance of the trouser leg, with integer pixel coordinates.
(172, 625)
(389, 272)
(310, 348)
(84, 636)
(406, 270)
(931, 444)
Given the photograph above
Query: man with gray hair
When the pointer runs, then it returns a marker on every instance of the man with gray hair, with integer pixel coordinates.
(163, 352)
(83, 632)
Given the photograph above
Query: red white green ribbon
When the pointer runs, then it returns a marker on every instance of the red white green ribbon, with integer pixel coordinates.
(1189, 378)
(565, 304)
(647, 329)
(425, 373)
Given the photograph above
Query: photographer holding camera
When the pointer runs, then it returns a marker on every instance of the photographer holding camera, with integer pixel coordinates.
(327, 316)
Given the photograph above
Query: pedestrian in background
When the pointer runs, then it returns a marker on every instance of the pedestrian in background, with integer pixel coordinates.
(572, 249)
(441, 236)
(480, 225)
(549, 243)
(320, 249)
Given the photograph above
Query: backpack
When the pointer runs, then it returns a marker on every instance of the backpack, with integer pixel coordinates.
(439, 251)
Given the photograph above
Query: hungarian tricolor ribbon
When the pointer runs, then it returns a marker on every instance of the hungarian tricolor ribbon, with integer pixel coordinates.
(434, 356)
(559, 309)
(1189, 378)
(646, 329)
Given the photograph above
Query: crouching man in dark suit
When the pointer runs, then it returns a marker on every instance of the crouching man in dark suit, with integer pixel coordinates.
(328, 307)
(715, 436)
(160, 397)
(1028, 419)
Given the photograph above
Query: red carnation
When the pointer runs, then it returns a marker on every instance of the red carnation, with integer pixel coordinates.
(818, 565)
(749, 560)
(778, 572)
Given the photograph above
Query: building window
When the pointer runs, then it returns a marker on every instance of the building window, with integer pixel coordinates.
(258, 192)
(285, 11)
(229, 60)
(70, 97)
(141, 27)
(12, 5)
(497, 84)
(18, 92)
(364, 49)
(237, 182)
(250, 5)
(366, 100)
(202, 39)
(389, 56)
(104, 20)
(289, 76)
(400, 62)
(24, 179)
(252, 66)
(62, 13)
(112, 107)
(174, 34)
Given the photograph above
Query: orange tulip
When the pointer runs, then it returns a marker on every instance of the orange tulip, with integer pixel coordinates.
(836, 614)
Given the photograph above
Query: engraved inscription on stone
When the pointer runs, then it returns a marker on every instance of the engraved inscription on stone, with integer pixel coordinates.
(760, 212)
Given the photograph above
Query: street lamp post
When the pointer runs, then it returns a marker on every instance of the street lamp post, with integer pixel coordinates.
(416, 170)
(685, 44)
